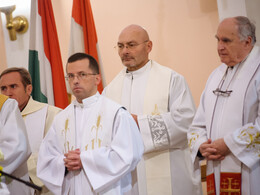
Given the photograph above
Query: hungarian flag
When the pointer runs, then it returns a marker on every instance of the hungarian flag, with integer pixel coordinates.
(45, 64)
(83, 37)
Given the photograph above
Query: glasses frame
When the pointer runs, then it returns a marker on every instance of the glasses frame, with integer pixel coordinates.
(80, 76)
(226, 93)
(128, 45)
(219, 92)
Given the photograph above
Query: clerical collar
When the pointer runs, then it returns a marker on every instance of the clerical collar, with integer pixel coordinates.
(141, 70)
(87, 102)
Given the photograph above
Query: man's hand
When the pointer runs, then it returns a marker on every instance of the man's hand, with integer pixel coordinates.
(216, 150)
(72, 160)
(206, 149)
(221, 147)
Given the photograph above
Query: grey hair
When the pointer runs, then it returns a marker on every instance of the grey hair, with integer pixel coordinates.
(245, 28)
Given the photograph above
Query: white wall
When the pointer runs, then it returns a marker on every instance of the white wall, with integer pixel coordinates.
(230, 8)
(252, 8)
(17, 51)
(248, 8)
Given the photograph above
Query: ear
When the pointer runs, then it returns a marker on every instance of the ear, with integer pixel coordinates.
(248, 42)
(28, 89)
(98, 79)
(149, 46)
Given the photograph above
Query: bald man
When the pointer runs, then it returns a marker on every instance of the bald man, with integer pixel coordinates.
(226, 127)
(162, 105)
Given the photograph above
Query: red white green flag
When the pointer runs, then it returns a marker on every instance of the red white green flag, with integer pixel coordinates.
(45, 64)
(83, 37)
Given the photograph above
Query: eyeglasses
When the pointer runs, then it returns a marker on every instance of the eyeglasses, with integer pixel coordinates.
(130, 45)
(219, 92)
(80, 76)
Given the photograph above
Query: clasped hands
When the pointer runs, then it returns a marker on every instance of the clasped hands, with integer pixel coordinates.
(72, 160)
(216, 150)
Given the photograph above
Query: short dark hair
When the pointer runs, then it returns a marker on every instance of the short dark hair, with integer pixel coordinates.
(245, 28)
(93, 65)
(25, 75)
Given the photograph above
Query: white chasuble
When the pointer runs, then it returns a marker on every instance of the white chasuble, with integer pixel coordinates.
(15, 147)
(38, 118)
(226, 117)
(110, 147)
(162, 101)
(35, 124)
(157, 163)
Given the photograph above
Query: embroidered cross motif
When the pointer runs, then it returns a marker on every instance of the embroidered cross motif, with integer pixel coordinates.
(211, 184)
(229, 188)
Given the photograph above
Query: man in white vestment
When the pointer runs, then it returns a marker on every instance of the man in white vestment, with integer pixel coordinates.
(14, 146)
(17, 84)
(94, 143)
(161, 103)
(226, 128)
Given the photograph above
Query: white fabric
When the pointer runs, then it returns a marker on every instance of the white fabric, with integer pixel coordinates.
(106, 167)
(35, 124)
(175, 119)
(38, 118)
(234, 118)
(14, 146)
(3, 189)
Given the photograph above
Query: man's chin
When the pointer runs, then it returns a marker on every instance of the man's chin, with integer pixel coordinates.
(223, 60)
(76, 93)
(128, 65)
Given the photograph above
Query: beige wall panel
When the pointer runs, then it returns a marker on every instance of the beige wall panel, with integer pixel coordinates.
(182, 33)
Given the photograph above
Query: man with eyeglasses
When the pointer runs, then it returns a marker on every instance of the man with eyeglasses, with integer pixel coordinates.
(225, 130)
(94, 143)
(17, 84)
(161, 103)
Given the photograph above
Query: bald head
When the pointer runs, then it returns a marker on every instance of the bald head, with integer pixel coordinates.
(137, 30)
(134, 47)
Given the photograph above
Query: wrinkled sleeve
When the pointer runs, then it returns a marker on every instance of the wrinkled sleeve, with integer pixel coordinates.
(169, 130)
(197, 133)
(107, 165)
(50, 165)
(244, 142)
(13, 138)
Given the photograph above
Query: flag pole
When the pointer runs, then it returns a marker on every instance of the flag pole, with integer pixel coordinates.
(22, 181)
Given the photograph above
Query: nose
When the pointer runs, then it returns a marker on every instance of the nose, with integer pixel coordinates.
(125, 49)
(75, 79)
(220, 45)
